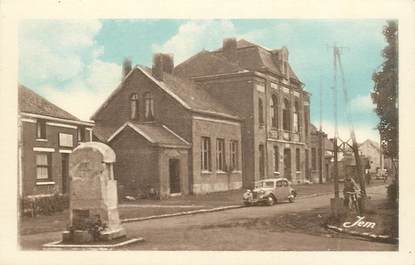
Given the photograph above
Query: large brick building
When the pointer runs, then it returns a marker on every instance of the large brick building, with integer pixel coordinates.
(47, 135)
(217, 121)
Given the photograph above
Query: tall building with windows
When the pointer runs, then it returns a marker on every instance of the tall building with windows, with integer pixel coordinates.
(47, 135)
(260, 86)
(220, 120)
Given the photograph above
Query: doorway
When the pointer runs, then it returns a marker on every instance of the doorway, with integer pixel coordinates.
(287, 163)
(65, 173)
(174, 173)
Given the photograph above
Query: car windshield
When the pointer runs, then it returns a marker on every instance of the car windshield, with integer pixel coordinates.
(265, 184)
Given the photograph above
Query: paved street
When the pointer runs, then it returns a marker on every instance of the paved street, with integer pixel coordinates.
(224, 231)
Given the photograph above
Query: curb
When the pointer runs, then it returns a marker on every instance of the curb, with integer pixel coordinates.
(129, 220)
(57, 245)
(138, 219)
(381, 238)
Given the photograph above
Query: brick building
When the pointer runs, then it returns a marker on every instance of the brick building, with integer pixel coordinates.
(47, 135)
(214, 122)
(321, 150)
(261, 87)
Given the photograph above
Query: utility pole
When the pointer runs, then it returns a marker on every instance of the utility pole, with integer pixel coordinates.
(336, 202)
(321, 149)
(355, 147)
(336, 130)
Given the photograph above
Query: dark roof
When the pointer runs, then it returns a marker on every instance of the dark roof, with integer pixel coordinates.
(249, 56)
(31, 102)
(103, 132)
(155, 133)
(196, 98)
(205, 63)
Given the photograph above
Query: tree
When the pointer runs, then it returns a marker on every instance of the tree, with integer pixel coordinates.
(385, 94)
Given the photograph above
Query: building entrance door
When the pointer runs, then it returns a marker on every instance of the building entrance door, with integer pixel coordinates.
(174, 172)
(287, 163)
(65, 173)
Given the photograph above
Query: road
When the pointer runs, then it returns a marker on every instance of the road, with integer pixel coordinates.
(225, 231)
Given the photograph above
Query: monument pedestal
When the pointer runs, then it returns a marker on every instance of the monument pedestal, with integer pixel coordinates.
(94, 216)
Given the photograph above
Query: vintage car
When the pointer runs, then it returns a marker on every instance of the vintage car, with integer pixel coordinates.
(269, 191)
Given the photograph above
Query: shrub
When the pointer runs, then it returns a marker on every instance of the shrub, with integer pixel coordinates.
(44, 204)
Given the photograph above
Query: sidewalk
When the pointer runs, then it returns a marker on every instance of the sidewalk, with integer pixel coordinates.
(141, 209)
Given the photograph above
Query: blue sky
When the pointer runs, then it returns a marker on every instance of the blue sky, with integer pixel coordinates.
(76, 64)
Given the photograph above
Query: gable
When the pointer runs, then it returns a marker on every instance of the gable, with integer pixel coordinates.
(154, 134)
(182, 91)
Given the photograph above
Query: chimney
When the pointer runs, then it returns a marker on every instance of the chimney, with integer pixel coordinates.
(126, 67)
(229, 49)
(162, 63)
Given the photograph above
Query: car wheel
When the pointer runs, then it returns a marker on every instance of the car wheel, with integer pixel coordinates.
(270, 201)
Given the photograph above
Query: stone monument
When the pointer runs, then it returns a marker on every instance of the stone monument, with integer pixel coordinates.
(93, 203)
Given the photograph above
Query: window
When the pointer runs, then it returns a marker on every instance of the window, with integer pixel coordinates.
(234, 146)
(297, 159)
(306, 164)
(286, 115)
(306, 120)
(65, 140)
(220, 154)
(313, 159)
(149, 106)
(260, 112)
(43, 166)
(205, 154)
(269, 184)
(81, 134)
(284, 183)
(295, 118)
(274, 111)
(134, 106)
(276, 159)
(261, 161)
(41, 129)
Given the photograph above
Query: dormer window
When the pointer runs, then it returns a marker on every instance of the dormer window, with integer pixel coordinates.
(40, 129)
(134, 106)
(148, 106)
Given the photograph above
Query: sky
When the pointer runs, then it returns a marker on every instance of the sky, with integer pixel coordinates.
(76, 64)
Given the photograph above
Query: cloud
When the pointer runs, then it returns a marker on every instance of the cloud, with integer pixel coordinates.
(194, 36)
(82, 97)
(361, 103)
(60, 60)
(51, 50)
(363, 131)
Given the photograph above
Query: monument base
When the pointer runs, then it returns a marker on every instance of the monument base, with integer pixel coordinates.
(112, 234)
(60, 245)
(85, 236)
